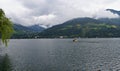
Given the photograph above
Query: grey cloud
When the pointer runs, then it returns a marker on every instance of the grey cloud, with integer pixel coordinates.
(52, 12)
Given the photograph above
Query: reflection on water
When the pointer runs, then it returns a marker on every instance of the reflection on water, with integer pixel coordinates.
(5, 64)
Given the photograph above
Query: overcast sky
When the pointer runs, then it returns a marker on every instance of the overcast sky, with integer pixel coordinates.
(52, 12)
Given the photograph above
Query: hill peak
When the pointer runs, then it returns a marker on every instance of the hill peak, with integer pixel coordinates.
(114, 11)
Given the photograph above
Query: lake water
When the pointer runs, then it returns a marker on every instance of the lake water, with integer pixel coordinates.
(90, 54)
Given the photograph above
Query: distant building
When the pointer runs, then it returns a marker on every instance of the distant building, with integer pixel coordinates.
(36, 37)
(61, 37)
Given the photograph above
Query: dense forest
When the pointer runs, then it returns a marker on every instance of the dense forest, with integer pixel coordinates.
(83, 27)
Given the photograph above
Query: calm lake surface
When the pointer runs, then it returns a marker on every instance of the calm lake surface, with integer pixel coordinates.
(90, 54)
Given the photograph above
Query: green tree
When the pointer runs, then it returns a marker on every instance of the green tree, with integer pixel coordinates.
(6, 28)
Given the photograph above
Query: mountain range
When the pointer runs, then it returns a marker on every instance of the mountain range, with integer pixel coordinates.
(83, 27)
(78, 27)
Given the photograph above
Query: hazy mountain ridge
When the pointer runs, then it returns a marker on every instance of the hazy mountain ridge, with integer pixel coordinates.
(33, 28)
(26, 31)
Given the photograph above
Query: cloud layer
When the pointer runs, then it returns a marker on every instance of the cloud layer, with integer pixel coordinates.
(52, 12)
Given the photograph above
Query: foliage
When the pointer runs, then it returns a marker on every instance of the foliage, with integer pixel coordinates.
(6, 27)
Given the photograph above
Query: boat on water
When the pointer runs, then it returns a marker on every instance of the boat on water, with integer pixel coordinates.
(75, 40)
